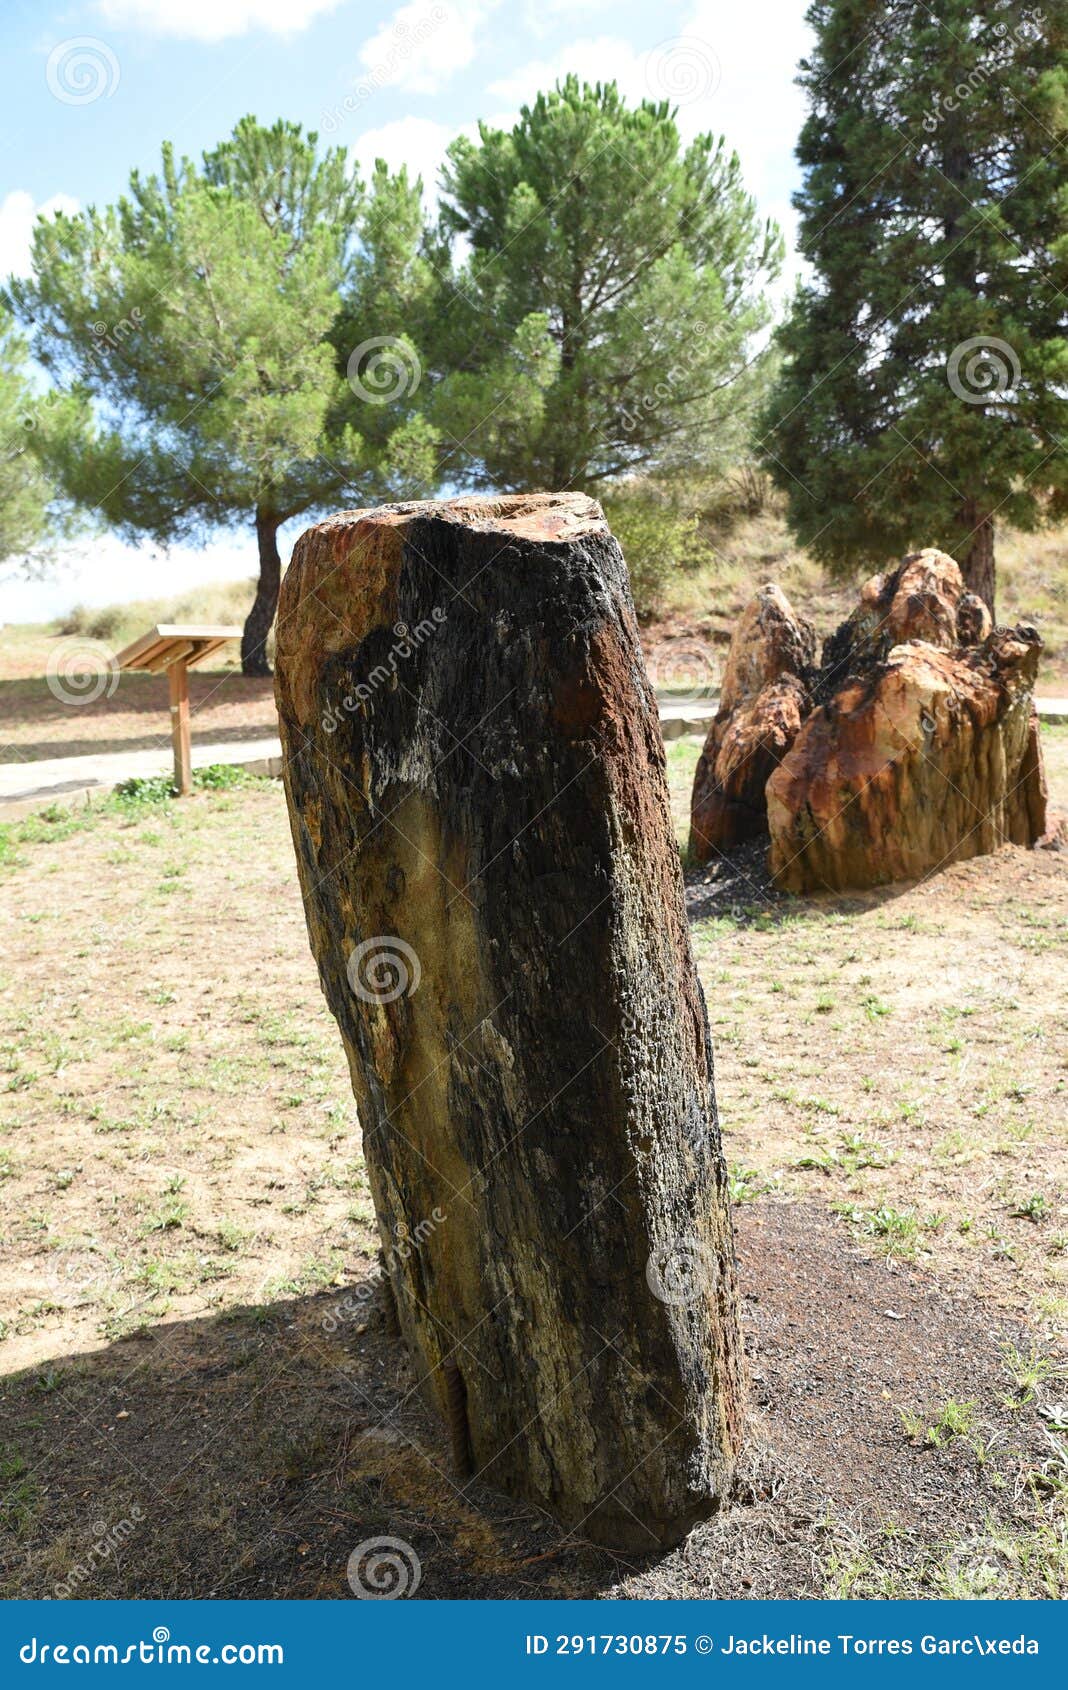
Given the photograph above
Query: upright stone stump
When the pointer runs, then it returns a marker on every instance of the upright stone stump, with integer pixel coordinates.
(477, 795)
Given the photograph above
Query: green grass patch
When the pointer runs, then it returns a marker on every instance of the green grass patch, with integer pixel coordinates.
(137, 798)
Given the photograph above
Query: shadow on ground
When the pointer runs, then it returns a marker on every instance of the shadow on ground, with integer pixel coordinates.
(736, 885)
(225, 705)
(246, 1455)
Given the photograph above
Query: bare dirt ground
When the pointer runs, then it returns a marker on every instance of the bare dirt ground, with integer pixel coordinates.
(189, 1408)
(35, 723)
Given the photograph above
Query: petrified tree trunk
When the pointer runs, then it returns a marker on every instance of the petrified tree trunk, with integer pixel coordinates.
(919, 600)
(477, 795)
(763, 701)
(931, 757)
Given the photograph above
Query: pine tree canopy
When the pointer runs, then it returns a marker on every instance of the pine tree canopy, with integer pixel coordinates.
(627, 270)
(33, 425)
(201, 316)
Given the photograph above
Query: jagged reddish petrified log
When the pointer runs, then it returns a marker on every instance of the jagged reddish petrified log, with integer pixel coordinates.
(764, 699)
(478, 801)
(919, 600)
(927, 757)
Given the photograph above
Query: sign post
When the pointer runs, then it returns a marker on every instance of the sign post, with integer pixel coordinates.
(176, 648)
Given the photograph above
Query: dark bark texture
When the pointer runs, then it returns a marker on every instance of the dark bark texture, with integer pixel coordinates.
(477, 795)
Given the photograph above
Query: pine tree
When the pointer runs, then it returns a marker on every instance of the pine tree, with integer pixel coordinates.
(924, 393)
(202, 315)
(621, 274)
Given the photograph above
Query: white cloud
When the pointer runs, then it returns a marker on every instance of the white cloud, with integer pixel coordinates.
(543, 16)
(18, 214)
(726, 70)
(424, 44)
(417, 142)
(757, 104)
(212, 20)
(604, 58)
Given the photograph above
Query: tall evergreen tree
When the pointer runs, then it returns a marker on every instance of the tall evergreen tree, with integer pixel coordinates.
(622, 272)
(202, 316)
(924, 394)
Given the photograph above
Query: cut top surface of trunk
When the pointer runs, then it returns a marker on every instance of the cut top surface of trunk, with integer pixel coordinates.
(350, 566)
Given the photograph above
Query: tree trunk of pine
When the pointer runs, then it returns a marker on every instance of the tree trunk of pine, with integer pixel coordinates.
(260, 619)
(977, 564)
(477, 795)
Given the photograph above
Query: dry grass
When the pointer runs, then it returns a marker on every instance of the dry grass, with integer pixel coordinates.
(25, 647)
(117, 624)
(225, 706)
(1032, 587)
(180, 1132)
(179, 1158)
(902, 1056)
(131, 713)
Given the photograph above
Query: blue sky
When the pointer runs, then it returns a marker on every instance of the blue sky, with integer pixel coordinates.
(92, 89)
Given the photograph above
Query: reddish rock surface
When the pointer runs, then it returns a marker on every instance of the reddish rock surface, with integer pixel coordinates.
(764, 700)
(974, 621)
(919, 600)
(929, 757)
(912, 745)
